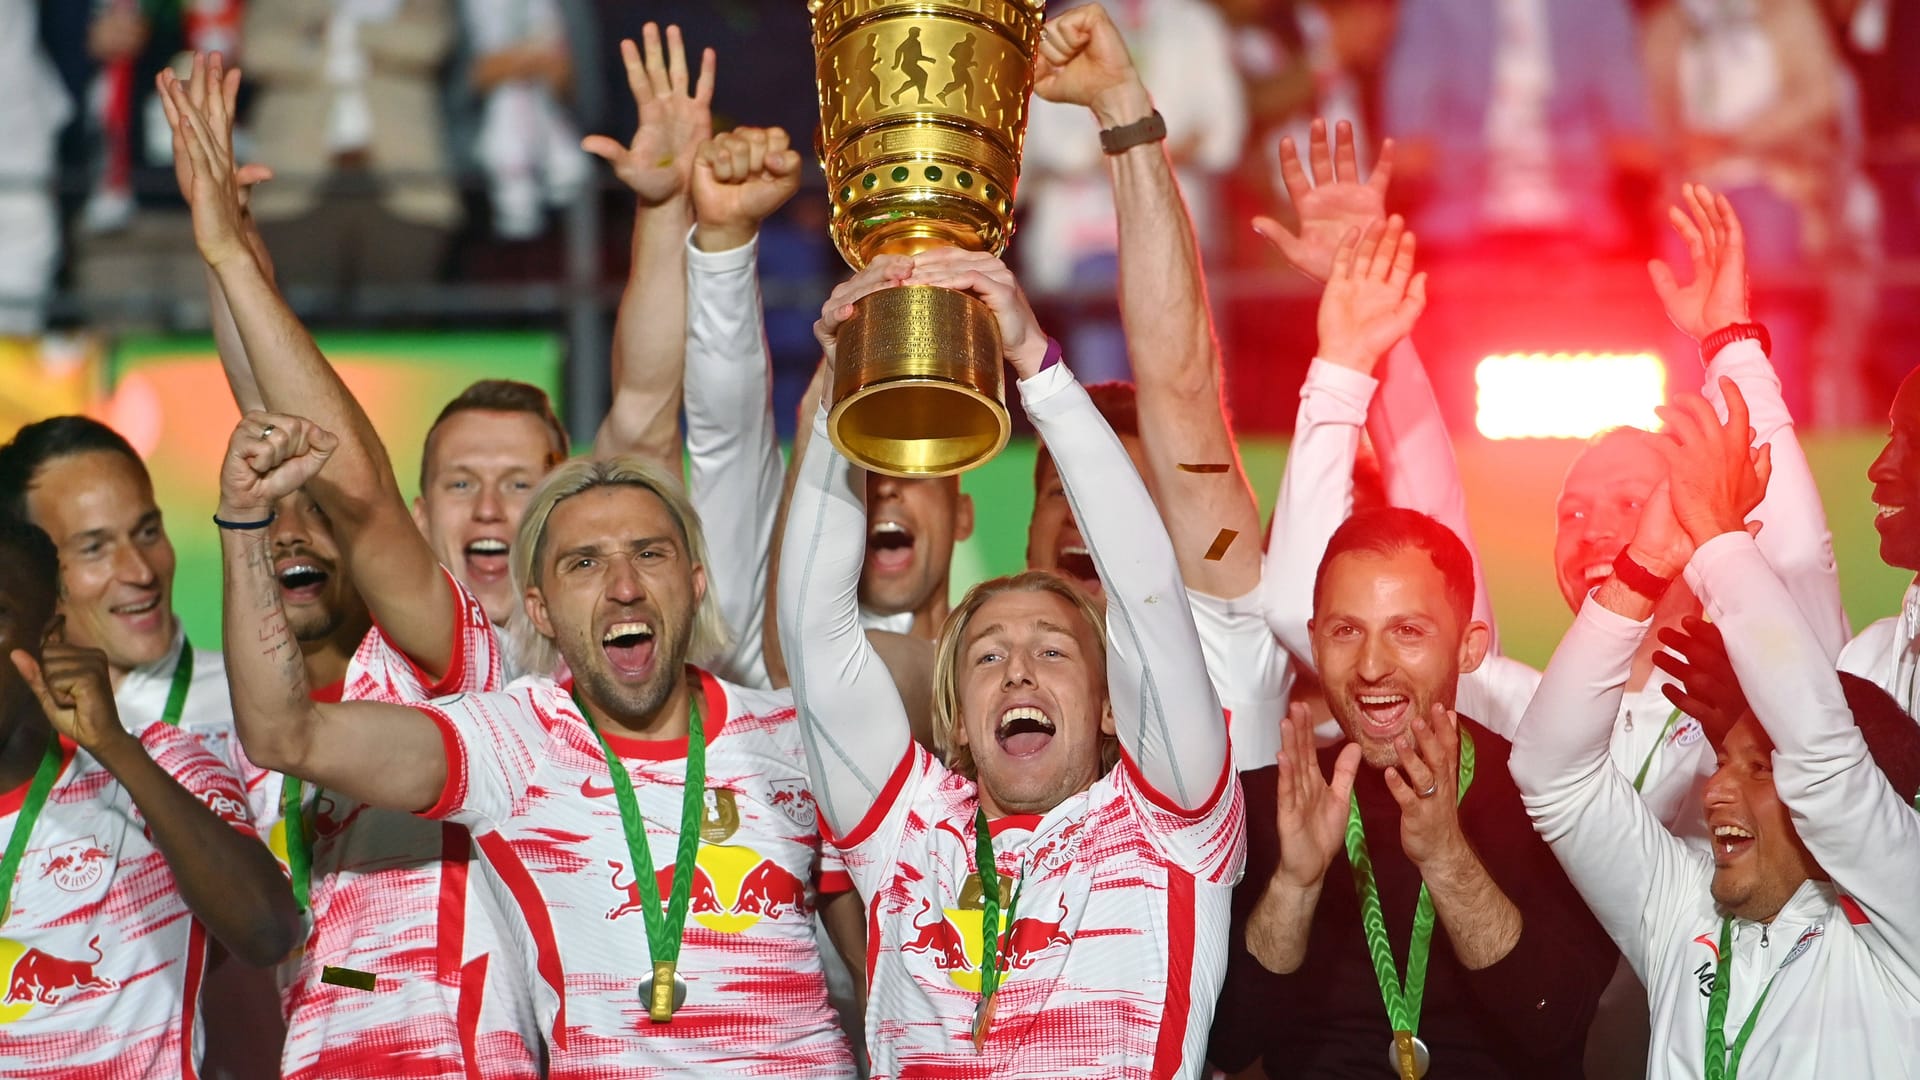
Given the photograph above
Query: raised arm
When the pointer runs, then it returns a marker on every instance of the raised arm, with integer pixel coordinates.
(390, 561)
(650, 329)
(382, 755)
(1857, 828)
(1163, 307)
(1372, 300)
(856, 727)
(1403, 419)
(1613, 848)
(736, 474)
(1796, 540)
(1164, 708)
(227, 877)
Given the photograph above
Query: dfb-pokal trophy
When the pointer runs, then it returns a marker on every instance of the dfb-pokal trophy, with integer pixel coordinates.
(923, 109)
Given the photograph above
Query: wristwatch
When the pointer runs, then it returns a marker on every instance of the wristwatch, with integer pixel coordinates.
(1638, 578)
(1119, 140)
(1745, 331)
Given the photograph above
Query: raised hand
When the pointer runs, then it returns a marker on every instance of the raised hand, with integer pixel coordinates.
(658, 164)
(1335, 202)
(983, 275)
(1426, 784)
(269, 457)
(1084, 61)
(1373, 298)
(73, 689)
(209, 76)
(1717, 296)
(1715, 473)
(1312, 811)
(740, 178)
(1707, 688)
(884, 272)
(201, 116)
(1660, 544)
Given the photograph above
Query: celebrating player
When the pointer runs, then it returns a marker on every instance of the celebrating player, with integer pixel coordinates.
(1789, 948)
(344, 553)
(124, 850)
(646, 780)
(1110, 963)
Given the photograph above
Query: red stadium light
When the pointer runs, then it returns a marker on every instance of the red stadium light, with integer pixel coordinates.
(1566, 395)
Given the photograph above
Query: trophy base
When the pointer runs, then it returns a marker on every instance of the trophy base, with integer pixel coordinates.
(917, 383)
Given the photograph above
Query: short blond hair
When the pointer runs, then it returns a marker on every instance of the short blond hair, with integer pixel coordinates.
(534, 651)
(953, 633)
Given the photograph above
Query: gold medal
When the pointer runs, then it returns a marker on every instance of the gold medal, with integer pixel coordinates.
(982, 1020)
(1408, 1056)
(667, 994)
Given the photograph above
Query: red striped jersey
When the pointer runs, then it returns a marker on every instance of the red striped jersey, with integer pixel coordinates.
(101, 961)
(1112, 960)
(526, 773)
(402, 972)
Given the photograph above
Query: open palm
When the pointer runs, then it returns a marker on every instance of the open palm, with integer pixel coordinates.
(1334, 202)
(1373, 298)
(674, 120)
(1311, 813)
(1717, 248)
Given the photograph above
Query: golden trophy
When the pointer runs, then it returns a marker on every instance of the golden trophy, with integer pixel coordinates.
(923, 110)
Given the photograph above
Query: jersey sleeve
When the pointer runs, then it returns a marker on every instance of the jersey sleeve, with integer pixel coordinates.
(735, 473)
(495, 744)
(834, 878)
(1164, 708)
(382, 672)
(1796, 540)
(1316, 495)
(1249, 670)
(206, 777)
(870, 849)
(1629, 869)
(1208, 841)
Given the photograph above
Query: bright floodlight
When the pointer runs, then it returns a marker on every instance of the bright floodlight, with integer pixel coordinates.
(1567, 395)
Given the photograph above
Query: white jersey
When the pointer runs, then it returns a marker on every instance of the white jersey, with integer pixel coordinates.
(1839, 966)
(403, 962)
(1887, 653)
(206, 710)
(1249, 671)
(101, 961)
(527, 775)
(1113, 958)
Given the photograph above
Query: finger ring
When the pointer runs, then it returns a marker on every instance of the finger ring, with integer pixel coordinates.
(266, 431)
(1431, 788)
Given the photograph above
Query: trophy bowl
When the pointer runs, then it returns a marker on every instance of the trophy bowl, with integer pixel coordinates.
(923, 110)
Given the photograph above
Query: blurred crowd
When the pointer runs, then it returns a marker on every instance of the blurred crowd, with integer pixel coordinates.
(423, 141)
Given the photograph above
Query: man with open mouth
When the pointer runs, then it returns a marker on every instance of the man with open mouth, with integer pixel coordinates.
(1042, 901)
(1888, 652)
(368, 613)
(1788, 947)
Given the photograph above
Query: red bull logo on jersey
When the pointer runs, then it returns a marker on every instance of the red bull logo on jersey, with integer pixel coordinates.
(953, 939)
(37, 977)
(77, 865)
(733, 889)
(792, 798)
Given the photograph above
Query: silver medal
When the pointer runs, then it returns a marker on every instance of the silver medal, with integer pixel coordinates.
(1421, 1060)
(679, 992)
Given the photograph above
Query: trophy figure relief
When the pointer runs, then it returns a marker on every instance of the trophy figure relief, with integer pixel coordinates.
(918, 388)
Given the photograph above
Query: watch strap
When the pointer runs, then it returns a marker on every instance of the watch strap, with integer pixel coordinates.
(1118, 140)
(1711, 345)
(1638, 578)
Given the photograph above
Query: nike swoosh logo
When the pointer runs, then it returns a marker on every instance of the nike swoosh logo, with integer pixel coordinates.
(594, 791)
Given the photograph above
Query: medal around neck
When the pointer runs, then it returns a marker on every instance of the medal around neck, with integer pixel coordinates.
(665, 994)
(1407, 1056)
